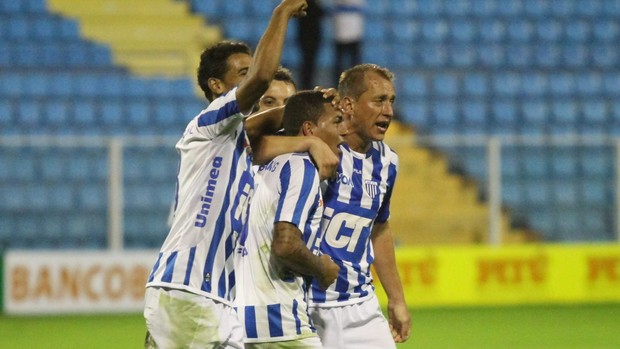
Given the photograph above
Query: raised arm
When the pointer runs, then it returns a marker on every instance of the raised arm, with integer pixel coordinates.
(291, 252)
(385, 265)
(268, 52)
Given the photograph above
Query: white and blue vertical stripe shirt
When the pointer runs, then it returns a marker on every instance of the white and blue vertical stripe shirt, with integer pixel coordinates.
(214, 182)
(354, 201)
(272, 301)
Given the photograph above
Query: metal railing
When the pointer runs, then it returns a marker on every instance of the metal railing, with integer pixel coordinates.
(492, 152)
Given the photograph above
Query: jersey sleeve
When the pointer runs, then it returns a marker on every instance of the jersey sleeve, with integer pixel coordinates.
(220, 117)
(299, 183)
(384, 211)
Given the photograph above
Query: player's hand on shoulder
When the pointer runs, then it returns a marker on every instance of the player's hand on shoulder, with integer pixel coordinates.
(294, 8)
(329, 271)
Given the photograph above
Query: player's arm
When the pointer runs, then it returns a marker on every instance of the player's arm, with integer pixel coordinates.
(385, 265)
(291, 252)
(261, 126)
(267, 55)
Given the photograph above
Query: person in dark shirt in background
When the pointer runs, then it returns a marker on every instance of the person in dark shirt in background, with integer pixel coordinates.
(309, 37)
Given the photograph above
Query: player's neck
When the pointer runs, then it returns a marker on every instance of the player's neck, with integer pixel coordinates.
(357, 144)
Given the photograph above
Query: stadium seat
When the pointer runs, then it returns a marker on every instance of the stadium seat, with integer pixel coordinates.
(575, 55)
(604, 55)
(519, 56)
(6, 112)
(595, 193)
(492, 30)
(564, 164)
(92, 196)
(589, 83)
(62, 197)
(445, 85)
(606, 30)
(434, 30)
(520, 30)
(463, 30)
(474, 117)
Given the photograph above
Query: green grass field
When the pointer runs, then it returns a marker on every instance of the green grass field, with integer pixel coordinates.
(523, 327)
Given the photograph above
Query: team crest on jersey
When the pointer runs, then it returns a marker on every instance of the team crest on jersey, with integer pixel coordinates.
(371, 187)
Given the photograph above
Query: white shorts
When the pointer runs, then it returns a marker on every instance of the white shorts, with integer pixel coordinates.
(305, 343)
(355, 326)
(179, 319)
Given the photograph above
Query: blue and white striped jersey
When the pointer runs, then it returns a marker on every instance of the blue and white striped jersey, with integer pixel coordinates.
(271, 301)
(358, 197)
(214, 182)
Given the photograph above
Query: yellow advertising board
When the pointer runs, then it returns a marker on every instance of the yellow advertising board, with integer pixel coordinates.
(483, 275)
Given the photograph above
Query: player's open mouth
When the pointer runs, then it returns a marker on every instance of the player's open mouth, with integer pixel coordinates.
(383, 126)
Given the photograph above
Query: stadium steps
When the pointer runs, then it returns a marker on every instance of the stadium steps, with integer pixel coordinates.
(150, 37)
(432, 206)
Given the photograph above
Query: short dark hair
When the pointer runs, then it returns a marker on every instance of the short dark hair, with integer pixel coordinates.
(351, 82)
(214, 63)
(285, 75)
(303, 106)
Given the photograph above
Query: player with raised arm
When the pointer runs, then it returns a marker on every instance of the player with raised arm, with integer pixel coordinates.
(191, 286)
(279, 250)
(355, 223)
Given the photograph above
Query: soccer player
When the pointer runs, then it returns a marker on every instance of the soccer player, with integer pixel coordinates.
(278, 251)
(355, 223)
(189, 291)
(281, 88)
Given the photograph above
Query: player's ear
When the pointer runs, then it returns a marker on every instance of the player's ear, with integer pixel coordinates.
(346, 103)
(307, 128)
(216, 86)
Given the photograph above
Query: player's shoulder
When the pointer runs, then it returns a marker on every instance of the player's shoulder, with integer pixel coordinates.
(385, 150)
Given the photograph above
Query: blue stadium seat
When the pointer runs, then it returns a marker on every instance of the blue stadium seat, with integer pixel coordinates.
(374, 31)
(6, 112)
(594, 193)
(504, 117)
(92, 196)
(492, 30)
(414, 85)
(28, 112)
(562, 9)
(578, 30)
(56, 113)
(564, 114)
(434, 30)
(85, 114)
(492, 55)
(535, 84)
(415, 113)
(569, 224)
(61, 83)
(520, 30)
(475, 84)
(565, 192)
(597, 162)
(519, 56)
(138, 113)
(595, 225)
(165, 113)
(611, 8)
(433, 56)
(562, 84)
(462, 55)
(606, 30)
(403, 31)
(53, 167)
(588, 8)
(575, 55)
(35, 84)
(537, 193)
(595, 113)
(535, 164)
(550, 30)
(462, 30)
(512, 193)
(507, 84)
(474, 116)
(445, 85)
(445, 117)
(547, 56)
(484, 7)
(13, 197)
(604, 56)
(589, 83)
(112, 113)
(564, 163)
(425, 8)
(62, 197)
(535, 113)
